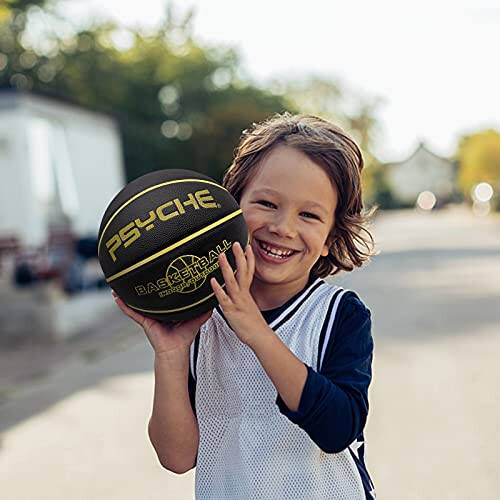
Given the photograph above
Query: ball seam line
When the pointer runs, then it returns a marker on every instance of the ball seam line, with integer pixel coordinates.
(174, 245)
(165, 311)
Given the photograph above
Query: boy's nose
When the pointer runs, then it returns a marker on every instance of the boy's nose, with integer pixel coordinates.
(283, 225)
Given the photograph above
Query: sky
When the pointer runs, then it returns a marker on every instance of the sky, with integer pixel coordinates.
(434, 64)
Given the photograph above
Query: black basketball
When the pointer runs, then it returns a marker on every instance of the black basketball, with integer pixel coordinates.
(159, 241)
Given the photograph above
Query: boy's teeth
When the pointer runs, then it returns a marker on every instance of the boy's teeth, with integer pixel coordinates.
(276, 251)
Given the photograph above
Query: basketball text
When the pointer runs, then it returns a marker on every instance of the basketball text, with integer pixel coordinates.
(185, 274)
(166, 211)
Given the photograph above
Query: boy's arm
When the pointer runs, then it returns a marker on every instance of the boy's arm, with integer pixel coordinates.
(286, 371)
(173, 428)
(334, 404)
(330, 405)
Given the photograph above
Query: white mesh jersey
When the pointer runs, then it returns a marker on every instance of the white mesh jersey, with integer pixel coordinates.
(248, 450)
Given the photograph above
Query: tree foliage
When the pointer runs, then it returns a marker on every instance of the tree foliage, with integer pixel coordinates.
(327, 98)
(376, 187)
(178, 104)
(479, 160)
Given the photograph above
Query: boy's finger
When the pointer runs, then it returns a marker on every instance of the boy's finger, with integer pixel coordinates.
(221, 295)
(241, 261)
(228, 275)
(250, 262)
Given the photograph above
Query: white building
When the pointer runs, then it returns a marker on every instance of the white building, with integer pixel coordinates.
(59, 164)
(422, 171)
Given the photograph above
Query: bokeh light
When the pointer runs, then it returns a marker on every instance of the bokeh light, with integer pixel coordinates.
(169, 128)
(426, 200)
(482, 192)
(481, 208)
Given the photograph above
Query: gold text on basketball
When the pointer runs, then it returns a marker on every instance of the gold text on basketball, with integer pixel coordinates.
(186, 273)
(166, 211)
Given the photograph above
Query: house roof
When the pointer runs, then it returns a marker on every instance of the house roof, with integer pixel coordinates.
(418, 150)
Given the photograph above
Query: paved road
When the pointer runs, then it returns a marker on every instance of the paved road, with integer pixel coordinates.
(434, 292)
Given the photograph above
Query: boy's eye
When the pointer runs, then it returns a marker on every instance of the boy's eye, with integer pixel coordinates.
(266, 203)
(309, 215)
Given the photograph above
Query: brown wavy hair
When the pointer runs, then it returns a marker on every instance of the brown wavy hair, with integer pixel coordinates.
(351, 244)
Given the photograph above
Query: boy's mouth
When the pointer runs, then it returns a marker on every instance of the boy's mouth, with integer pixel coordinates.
(277, 253)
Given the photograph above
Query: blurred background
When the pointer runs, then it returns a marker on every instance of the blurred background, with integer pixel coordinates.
(94, 94)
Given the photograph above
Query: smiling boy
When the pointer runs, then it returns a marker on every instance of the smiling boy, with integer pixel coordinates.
(268, 396)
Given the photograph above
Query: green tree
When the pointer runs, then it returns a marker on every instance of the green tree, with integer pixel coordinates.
(179, 105)
(479, 161)
(8, 7)
(376, 188)
(329, 99)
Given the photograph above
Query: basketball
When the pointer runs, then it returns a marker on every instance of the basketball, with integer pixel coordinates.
(160, 238)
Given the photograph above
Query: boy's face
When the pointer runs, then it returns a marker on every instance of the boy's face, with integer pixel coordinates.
(289, 207)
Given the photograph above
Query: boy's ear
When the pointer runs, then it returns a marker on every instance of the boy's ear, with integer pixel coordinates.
(328, 244)
(330, 240)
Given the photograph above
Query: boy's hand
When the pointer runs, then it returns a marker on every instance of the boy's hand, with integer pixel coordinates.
(236, 301)
(165, 339)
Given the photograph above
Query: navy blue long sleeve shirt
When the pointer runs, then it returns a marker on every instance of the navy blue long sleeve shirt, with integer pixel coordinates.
(334, 404)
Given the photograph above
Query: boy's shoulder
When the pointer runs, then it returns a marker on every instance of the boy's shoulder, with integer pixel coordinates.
(353, 302)
(350, 299)
(347, 309)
